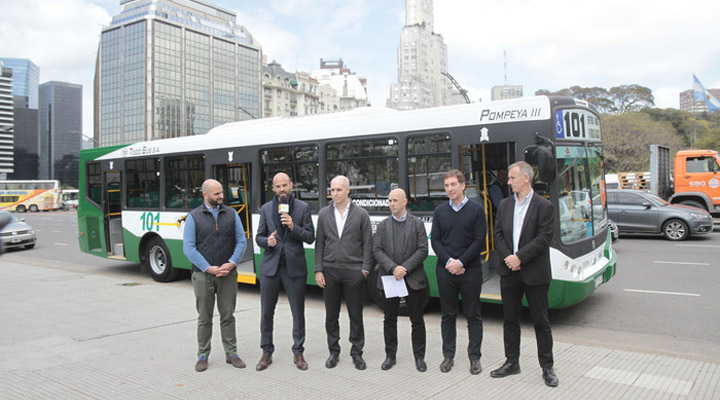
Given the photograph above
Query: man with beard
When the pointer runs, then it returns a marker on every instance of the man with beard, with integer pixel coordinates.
(285, 223)
(214, 241)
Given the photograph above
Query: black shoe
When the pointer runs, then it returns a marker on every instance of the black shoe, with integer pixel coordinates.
(332, 360)
(420, 365)
(388, 363)
(509, 368)
(475, 367)
(359, 362)
(550, 377)
(447, 364)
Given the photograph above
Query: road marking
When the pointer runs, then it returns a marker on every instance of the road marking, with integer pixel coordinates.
(679, 263)
(658, 292)
(61, 244)
(698, 245)
(57, 231)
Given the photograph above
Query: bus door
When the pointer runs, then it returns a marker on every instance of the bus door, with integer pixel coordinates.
(113, 214)
(483, 166)
(235, 180)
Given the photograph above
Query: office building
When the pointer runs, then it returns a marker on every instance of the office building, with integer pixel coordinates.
(6, 121)
(25, 141)
(422, 60)
(26, 78)
(172, 68)
(350, 88)
(60, 123)
(690, 104)
(504, 92)
(286, 94)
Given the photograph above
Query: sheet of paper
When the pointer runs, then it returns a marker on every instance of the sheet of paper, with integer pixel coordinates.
(394, 287)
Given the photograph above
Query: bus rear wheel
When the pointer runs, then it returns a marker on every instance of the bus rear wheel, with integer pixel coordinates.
(33, 208)
(157, 260)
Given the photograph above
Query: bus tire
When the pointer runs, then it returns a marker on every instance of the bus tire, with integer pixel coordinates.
(33, 208)
(675, 230)
(21, 208)
(378, 297)
(692, 203)
(158, 262)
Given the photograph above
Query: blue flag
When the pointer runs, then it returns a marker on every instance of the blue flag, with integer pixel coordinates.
(699, 93)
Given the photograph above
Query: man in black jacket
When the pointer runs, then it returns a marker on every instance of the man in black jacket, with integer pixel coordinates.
(400, 247)
(523, 231)
(458, 237)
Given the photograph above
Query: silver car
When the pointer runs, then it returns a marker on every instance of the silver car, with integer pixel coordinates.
(635, 211)
(17, 233)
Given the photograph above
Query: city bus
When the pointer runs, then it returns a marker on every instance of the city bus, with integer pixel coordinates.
(134, 198)
(33, 196)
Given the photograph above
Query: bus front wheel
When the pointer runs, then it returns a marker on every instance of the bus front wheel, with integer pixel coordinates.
(158, 262)
(21, 208)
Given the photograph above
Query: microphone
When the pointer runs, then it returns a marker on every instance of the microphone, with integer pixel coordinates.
(283, 205)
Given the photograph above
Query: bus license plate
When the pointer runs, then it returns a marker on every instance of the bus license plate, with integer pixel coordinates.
(598, 280)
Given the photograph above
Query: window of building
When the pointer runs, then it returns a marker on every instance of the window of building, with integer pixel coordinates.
(301, 165)
(143, 183)
(183, 181)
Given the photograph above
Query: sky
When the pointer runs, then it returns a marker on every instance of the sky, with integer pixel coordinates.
(550, 44)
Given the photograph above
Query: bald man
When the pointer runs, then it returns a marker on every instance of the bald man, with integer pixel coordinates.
(285, 224)
(214, 242)
(400, 246)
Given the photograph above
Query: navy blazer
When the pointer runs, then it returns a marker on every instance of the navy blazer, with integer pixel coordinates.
(303, 231)
(534, 245)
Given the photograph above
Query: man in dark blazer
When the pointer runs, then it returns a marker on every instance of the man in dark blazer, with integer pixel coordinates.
(343, 258)
(285, 224)
(400, 246)
(523, 230)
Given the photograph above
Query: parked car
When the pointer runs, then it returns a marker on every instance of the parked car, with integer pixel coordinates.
(614, 232)
(635, 211)
(17, 233)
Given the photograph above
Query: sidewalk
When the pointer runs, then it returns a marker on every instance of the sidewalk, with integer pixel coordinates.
(71, 335)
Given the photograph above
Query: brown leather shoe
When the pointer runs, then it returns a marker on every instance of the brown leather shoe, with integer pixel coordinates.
(300, 362)
(446, 364)
(235, 360)
(265, 360)
(201, 364)
(475, 367)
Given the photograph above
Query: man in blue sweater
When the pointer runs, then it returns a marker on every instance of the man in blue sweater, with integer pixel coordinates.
(458, 238)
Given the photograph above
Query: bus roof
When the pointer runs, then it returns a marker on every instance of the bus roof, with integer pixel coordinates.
(355, 122)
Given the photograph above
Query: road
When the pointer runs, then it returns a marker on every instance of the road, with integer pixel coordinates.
(663, 300)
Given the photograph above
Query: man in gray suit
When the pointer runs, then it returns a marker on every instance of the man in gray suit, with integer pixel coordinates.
(343, 258)
(285, 223)
(400, 246)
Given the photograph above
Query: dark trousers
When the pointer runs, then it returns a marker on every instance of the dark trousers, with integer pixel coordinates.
(269, 291)
(415, 301)
(468, 285)
(350, 285)
(512, 289)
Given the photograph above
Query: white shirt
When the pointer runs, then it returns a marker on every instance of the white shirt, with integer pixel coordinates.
(340, 219)
(519, 217)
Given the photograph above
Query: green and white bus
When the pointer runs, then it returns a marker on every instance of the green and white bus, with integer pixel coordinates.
(134, 198)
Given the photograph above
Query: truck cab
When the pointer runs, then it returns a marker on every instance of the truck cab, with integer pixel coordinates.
(697, 179)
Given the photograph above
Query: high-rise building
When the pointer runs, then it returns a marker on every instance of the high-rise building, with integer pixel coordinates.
(504, 92)
(26, 78)
(6, 121)
(171, 68)
(351, 89)
(60, 121)
(25, 141)
(422, 60)
(690, 104)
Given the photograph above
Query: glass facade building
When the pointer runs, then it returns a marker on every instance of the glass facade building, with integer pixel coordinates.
(6, 120)
(60, 139)
(172, 68)
(26, 79)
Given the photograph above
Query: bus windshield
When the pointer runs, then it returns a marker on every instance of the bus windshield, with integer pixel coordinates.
(581, 201)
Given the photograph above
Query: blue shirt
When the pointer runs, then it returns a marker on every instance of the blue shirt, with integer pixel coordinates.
(462, 203)
(190, 245)
(519, 217)
(402, 219)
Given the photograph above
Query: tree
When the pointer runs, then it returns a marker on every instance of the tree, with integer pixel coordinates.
(631, 98)
(627, 139)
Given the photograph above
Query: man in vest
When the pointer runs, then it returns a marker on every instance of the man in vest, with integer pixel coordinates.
(214, 241)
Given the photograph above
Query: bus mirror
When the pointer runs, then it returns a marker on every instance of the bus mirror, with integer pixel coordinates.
(541, 156)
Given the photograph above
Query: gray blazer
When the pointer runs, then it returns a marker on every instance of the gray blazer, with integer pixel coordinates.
(303, 231)
(414, 254)
(353, 250)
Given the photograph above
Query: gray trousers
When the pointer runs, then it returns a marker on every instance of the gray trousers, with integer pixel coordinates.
(207, 287)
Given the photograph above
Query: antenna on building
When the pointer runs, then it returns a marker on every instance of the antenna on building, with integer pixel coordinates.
(505, 64)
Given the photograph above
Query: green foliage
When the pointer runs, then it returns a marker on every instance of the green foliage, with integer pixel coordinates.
(617, 100)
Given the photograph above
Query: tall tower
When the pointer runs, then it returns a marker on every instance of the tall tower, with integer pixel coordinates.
(26, 78)
(422, 60)
(7, 120)
(60, 139)
(172, 68)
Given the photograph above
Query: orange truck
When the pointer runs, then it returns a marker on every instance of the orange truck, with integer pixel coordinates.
(695, 179)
